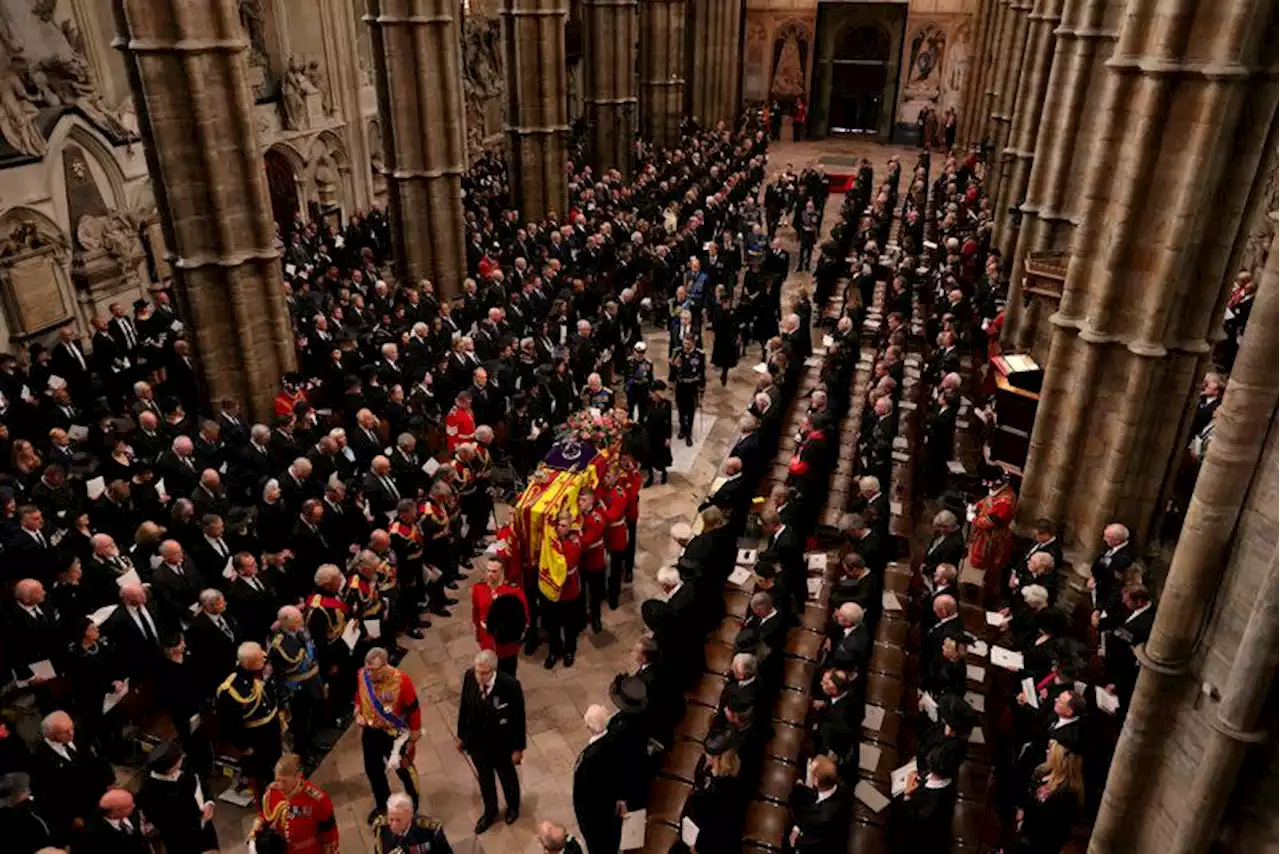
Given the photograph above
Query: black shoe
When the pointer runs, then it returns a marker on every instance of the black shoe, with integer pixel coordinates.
(550, 662)
(648, 482)
(513, 813)
(596, 625)
(531, 645)
(484, 823)
(568, 659)
(613, 604)
(688, 440)
(424, 624)
(628, 577)
(415, 633)
(374, 813)
(441, 611)
(449, 601)
(452, 585)
(664, 477)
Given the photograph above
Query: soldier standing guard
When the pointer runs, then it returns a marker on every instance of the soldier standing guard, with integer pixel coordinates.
(249, 715)
(292, 655)
(500, 615)
(689, 371)
(390, 725)
(402, 831)
(633, 482)
(639, 378)
(297, 813)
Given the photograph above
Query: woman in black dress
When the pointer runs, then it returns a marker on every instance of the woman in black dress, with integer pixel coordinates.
(169, 799)
(657, 424)
(724, 320)
(1047, 815)
(94, 670)
(714, 806)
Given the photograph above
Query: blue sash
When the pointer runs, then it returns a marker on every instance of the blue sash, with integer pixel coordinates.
(376, 703)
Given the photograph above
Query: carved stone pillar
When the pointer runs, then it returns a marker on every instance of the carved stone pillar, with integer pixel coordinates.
(609, 50)
(188, 70)
(418, 76)
(1149, 259)
(662, 34)
(717, 26)
(537, 104)
(1038, 58)
(1083, 44)
(988, 69)
(972, 93)
(1011, 83)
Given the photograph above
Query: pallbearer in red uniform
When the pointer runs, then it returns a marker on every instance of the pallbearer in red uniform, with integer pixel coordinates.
(512, 565)
(634, 483)
(390, 726)
(991, 543)
(297, 812)
(560, 592)
(615, 498)
(593, 520)
(460, 423)
(502, 628)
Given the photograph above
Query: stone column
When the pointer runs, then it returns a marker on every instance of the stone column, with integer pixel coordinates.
(189, 73)
(971, 96)
(1083, 44)
(716, 60)
(1037, 61)
(418, 77)
(537, 104)
(1004, 74)
(342, 63)
(1012, 82)
(990, 66)
(662, 34)
(609, 58)
(1185, 107)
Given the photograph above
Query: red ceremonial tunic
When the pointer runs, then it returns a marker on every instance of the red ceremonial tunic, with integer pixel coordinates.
(991, 544)
(593, 528)
(284, 403)
(459, 427)
(571, 548)
(513, 568)
(615, 517)
(304, 818)
(634, 483)
(482, 596)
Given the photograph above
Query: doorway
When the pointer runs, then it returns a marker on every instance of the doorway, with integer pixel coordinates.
(282, 184)
(856, 83)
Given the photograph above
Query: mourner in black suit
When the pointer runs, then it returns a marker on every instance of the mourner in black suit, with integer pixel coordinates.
(115, 829)
(251, 600)
(491, 730)
(947, 545)
(820, 814)
(66, 778)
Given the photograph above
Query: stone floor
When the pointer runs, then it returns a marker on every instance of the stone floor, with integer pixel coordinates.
(555, 700)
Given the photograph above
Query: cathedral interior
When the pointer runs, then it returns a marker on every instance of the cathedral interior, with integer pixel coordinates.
(1128, 154)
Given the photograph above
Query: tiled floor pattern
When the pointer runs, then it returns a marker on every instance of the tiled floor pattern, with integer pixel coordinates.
(555, 699)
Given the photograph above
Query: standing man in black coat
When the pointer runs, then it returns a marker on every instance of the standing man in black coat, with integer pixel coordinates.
(115, 829)
(66, 778)
(598, 799)
(947, 545)
(491, 730)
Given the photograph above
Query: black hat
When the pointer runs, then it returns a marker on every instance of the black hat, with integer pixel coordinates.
(139, 304)
(164, 756)
(629, 694)
(654, 613)
(721, 741)
(292, 378)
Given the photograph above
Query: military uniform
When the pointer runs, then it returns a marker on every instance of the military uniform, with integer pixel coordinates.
(459, 428)
(292, 656)
(424, 836)
(365, 604)
(249, 716)
(689, 371)
(639, 373)
(303, 819)
(387, 710)
(480, 507)
(407, 542)
(616, 537)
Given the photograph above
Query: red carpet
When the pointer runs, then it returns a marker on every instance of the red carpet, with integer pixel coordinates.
(839, 183)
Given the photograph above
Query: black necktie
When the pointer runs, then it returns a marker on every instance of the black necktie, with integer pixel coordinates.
(146, 626)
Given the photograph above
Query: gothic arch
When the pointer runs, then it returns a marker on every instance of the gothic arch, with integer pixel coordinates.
(73, 130)
(327, 179)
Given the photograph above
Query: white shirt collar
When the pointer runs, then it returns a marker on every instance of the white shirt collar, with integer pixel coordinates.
(675, 590)
(822, 796)
(596, 737)
(1141, 610)
(58, 748)
(940, 783)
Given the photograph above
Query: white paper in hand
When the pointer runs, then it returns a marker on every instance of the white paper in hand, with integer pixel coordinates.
(78, 432)
(930, 706)
(130, 577)
(1030, 694)
(431, 466)
(815, 587)
(1007, 658)
(373, 629)
(1107, 701)
(688, 832)
(761, 368)
(975, 673)
(955, 467)
(229, 571)
(633, 830)
(351, 633)
(740, 575)
(828, 341)
(94, 487)
(889, 601)
(979, 648)
(112, 699)
(976, 701)
(817, 561)
(160, 490)
(100, 616)
(43, 670)
(872, 797)
(900, 776)
(995, 618)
